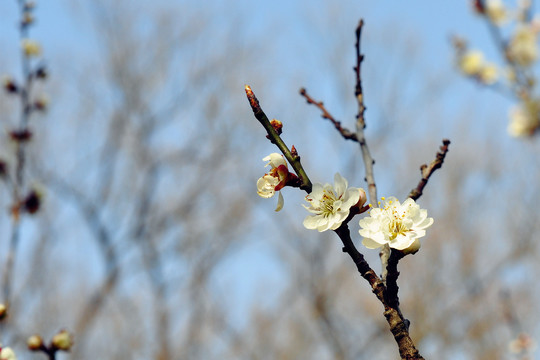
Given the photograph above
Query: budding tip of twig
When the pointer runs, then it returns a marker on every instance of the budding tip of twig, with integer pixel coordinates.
(252, 99)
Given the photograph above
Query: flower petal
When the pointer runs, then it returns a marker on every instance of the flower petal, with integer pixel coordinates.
(340, 184)
(310, 222)
(280, 202)
(275, 160)
(371, 244)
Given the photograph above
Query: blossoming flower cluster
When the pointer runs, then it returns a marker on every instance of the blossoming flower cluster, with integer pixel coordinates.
(516, 32)
(472, 64)
(398, 225)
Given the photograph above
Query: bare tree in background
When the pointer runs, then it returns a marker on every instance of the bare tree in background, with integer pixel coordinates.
(138, 169)
(146, 197)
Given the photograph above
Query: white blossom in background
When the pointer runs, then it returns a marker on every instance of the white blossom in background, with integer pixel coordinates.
(524, 120)
(275, 179)
(471, 63)
(331, 205)
(398, 225)
(496, 12)
(31, 48)
(7, 354)
(523, 344)
(523, 48)
(489, 74)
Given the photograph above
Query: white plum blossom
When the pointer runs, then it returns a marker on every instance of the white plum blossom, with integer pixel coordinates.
(524, 119)
(398, 225)
(523, 48)
(471, 63)
(489, 74)
(496, 11)
(523, 344)
(331, 205)
(275, 179)
(31, 48)
(7, 354)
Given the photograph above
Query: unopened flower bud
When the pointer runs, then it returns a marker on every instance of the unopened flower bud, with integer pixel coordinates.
(277, 125)
(10, 86)
(32, 202)
(294, 152)
(31, 48)
(361, 204)
(20, 135)
(41, 103)
(41, 72)
(413, 249)
(62, 341)
(34, 343)
(27, 19)
(479, 6)
(3, 311)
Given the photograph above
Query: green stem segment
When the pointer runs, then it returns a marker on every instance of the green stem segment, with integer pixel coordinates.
(293, 159)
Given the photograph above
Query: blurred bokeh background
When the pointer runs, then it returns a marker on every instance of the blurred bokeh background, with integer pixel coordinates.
(152, 242)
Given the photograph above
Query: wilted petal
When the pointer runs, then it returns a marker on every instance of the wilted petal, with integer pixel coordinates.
(280, 202)
(266, 186)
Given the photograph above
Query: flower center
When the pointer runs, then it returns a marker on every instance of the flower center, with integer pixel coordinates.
(396, 227)
(327, 203)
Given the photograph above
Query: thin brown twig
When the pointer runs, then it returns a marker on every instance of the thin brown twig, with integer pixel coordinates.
(360, 120)
(346, 133)
(20, 152)
(366, 155)
(428, 170)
